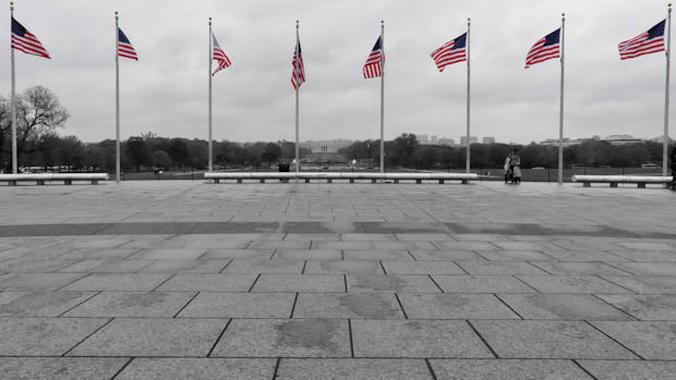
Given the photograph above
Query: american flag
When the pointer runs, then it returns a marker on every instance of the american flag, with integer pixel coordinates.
(26, 42)
(124, 47)
(374, 63)
(649, 42)
(218, 54)
(451, 52)
(545, 49)
(298, 73)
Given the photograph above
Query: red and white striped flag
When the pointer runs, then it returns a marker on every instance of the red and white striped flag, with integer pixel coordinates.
(649, 42)
(298, 73)
(373, 67)
(453, 51)
(546, 48)
(26, 42)
(218, 54)
(124, 47)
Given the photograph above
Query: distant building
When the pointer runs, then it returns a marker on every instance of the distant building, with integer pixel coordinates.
(422, 139)
(488, 140)
(622, 140)
(446, 141)
(472, 140)
(434, 140)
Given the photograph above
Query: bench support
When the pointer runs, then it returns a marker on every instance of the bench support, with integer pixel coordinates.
(396, 180)
(329, 180)
(465, 182)
(41, 182)
(351, 180)
(216, 180)
(586, 184)
(12, 183)
(613, 184)
(373, 180)
(239, 180)
(95, 182)
(67, 181)
(441, 181)
(262, 180)
(307, 180)
(418, 180)
(641, 185)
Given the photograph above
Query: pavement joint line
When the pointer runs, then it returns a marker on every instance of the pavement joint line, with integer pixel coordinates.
(610, 264)
(429, 367)
(616, 307)
(461, 267)
(254, 283)
(401, 306)
(72, 282)
(342, 255)
(408, 251)
(249, 244)
(88, 336)
(531, 286)
(508, 306)
(213, 347)
(230, 261)
(474, 251)
(614, 340)
(543, 269)
(275, 373)
(349, 328)
(618, 285)
(575, 361)
(345, 282)
(435, 283)
(163, 282)
(186, 304)
(495, 354)
(96, 293)
(382, 266)
(293, 307)
(274, 253)
(304, 265)
(122, 368)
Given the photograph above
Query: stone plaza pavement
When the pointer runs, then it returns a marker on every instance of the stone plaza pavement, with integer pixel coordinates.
(179, 279)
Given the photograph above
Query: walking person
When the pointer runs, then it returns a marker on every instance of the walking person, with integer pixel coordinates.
(508, 168)
(515, 165)
(673, 166)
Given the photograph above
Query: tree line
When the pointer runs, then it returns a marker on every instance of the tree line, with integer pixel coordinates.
(40, 116)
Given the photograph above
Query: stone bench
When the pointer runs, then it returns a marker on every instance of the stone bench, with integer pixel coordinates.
(351, 177)
(614, 180)
(41, 178)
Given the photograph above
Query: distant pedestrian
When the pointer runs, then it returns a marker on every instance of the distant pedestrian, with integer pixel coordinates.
(673, 166)
(508, 168)
(515, 165)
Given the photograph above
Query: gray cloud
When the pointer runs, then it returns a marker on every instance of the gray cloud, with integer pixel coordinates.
(165, 92)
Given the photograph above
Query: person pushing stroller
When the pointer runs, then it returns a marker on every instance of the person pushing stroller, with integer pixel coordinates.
(513, 167)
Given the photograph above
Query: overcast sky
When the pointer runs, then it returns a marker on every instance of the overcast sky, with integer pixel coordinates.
(165, 92)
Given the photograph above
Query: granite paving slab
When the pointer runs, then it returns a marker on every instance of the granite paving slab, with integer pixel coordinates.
(60, 368)
(376, 369)
(39, 303)
(285, 338)
(646, 284)
(347, 305)
(645, 307)
(446, 255)
(153, 337)
(421, 267)
(549, 340)
(630, 369)
(506, 369)
(240, 305)
(127, 304)
(416, 339)
(649, 269)
(198, 368)
(573, 284)
(36, 281)
(119, 282)
(482, 284)
(341, 267)
(44, 336)
(455, 306)
(186, 266)
(270, 283)
(563, 307)
(359, 283)
(499, 268)
(265, 266)
(650, 340)
(209, 283)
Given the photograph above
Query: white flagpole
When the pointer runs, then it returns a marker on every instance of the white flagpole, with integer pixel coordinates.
(467, 142)
(14, 147)
(297, 148)
(563, 21)
(382, 98)
(665, 147)
(117, 101)
(210, 57)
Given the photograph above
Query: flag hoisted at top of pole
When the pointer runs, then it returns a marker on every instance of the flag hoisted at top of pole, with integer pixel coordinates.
(546, 48)
(451, 52)
(297, 79)
(373, 68)
(648, 42)
(219, 55)
(25, 42)
(652, 41)
(123, 48)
